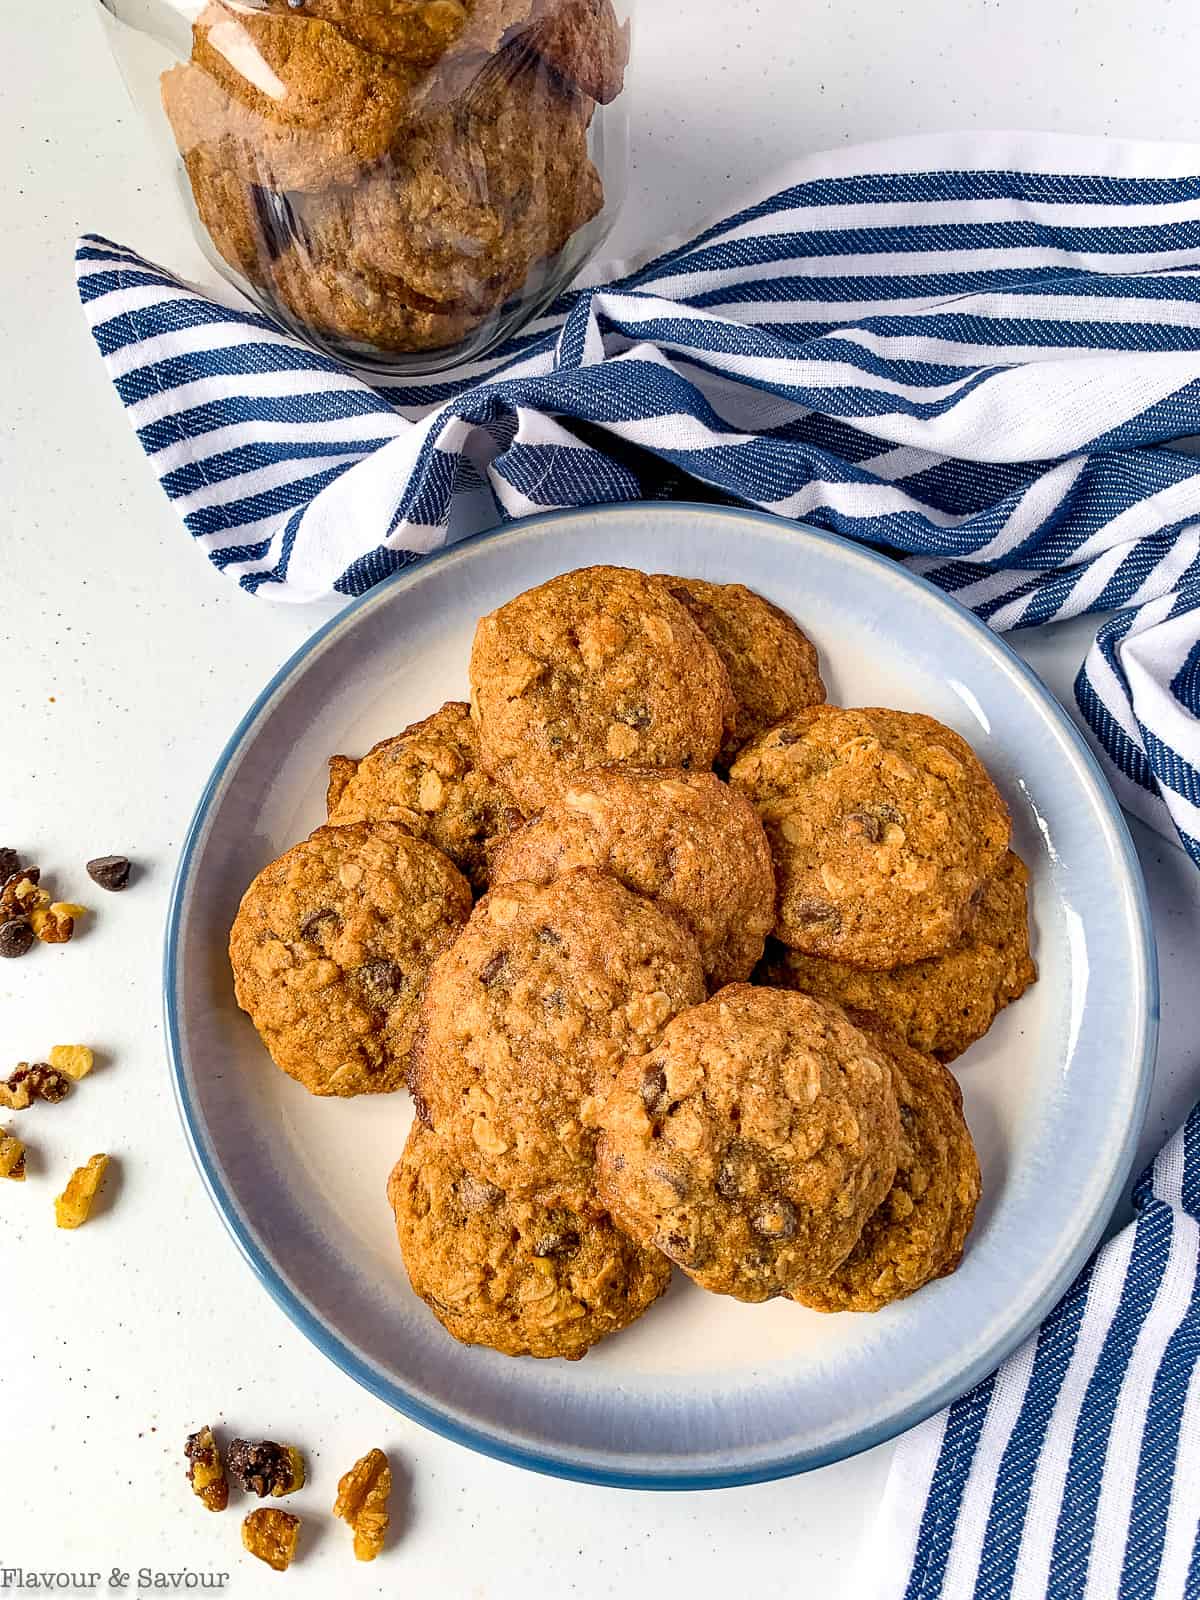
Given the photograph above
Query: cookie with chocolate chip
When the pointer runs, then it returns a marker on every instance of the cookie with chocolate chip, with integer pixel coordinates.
(683, 839)
(429, 780)
(519, 1275)
(884, 827)
(941, 1005)
(918, 1233)
(753, 1143)
(330, 949)
(598, 665)
(528, 1015)
(773, 668)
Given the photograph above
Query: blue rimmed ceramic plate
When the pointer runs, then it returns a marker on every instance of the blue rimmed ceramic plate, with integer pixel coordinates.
(703, 1391)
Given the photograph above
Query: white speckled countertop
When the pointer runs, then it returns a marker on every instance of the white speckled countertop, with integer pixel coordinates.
(126, 660)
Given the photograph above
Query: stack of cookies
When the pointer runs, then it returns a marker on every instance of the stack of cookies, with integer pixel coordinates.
(390, 172)
(671, 955)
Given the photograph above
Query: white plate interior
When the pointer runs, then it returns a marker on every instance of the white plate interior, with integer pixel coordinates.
(702, 1387)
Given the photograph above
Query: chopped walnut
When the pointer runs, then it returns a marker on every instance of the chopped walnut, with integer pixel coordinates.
(266, 1467)
(361, 1502)
(12, 1157)
(74, 1060)
(74, 1204)
(205, 1472)
(55, 923)
(271, 1535)
(28, 1083)
(20, 894)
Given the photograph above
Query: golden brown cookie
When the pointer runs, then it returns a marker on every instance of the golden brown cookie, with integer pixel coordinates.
(526, 1018)
(583, 41)
(418, 31)
(884, 826)
(427, 779)
(523, 1277)
(753, 1143)
(285, 101)
(918, 1233)
(683, 839)
(772, 666)
(472, 201)
(238, 216)
(330, 948)
(598, 665)
(942, 1005)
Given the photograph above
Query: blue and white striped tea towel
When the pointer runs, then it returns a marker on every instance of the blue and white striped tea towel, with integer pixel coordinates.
(970, 351)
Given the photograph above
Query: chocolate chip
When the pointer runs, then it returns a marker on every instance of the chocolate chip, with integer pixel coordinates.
(633, 716)
(16, 938)
(654, 1089)
(10, 862)
(556, 1242)
(682, 1248)
(493, 969)
(110, 872)
(739, 1176)
(809, 909)
(866, 823)
(775, 1220)
(312, 923)
(476, 1194)
(381, 979)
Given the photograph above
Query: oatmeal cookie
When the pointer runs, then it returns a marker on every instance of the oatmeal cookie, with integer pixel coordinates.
(683, 839)
(752, 1145)
(427, 779)
(527, 1017)
(285, 101)
(238, 216)
(521, 1276)
(583, 42)
(330, 949)
(417, 31)
(475, 198)
(918, 1233)
(941, 1005)
(597, 665)
(772, 666)
(884, 827)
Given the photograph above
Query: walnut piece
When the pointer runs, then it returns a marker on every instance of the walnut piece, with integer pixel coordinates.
(205, 1472)
(74, 1060)
(20, 894)
(271, 1535)
(74, 1204)
(12, 1157)
(361, 1502)
(265, 1467)
(29, 1083)
(54, 922)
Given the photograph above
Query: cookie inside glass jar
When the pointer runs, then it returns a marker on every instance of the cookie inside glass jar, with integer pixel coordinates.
(395, 175)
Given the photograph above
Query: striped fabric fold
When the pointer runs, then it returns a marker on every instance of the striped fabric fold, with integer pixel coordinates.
(1073, 1473)
(970, 352)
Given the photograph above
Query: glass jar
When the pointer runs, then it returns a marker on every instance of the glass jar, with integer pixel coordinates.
(404, 183)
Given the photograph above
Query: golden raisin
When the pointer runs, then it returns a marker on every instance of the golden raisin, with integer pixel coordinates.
(74, 1204)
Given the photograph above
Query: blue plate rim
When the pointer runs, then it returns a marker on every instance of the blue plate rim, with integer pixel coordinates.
(345, 1358)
